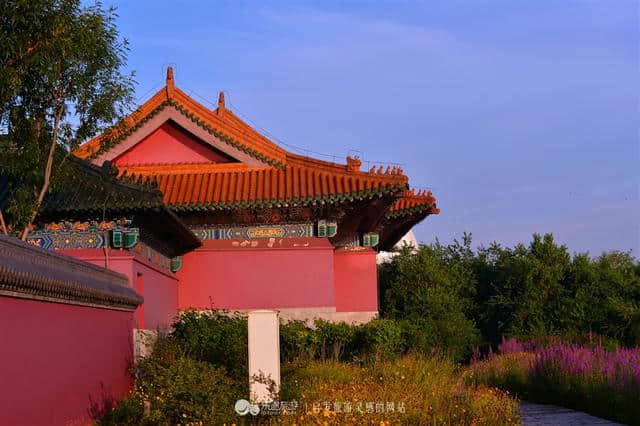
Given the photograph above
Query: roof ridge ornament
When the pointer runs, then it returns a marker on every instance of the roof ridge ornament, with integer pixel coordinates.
(170, 82)
(221, 106)
(430, 198)
(353, 164)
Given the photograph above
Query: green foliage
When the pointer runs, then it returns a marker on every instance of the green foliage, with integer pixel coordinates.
(129, 411)
(442, 293)
(333, 337)
(524, 289)
(380, 340)
(178, 390)
(433, 290)
(540, 290)
(297, 341)
(219, 338)
(377, 340)
(61, 82)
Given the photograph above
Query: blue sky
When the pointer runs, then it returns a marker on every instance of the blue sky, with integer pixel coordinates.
(521, 116)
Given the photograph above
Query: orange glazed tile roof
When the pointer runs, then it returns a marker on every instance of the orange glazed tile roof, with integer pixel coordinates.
(277, 176)
(219, 122)
(227, 185)
(412, 201)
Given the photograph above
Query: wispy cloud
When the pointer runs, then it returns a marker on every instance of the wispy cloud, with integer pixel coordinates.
(522, 115)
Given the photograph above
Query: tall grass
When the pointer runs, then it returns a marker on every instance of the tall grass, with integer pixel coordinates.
(411, 390)
(583, 377)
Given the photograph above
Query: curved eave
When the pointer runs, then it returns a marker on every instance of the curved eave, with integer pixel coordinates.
(397, 223)
(288, 202)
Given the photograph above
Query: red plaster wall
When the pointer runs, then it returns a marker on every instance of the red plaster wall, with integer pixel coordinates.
(293, 273)
(171, 144)
(356, 280)
(160, 296)
(160, 288)
(55, 357)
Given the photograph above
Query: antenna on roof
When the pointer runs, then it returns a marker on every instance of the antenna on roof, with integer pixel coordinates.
(170, 82)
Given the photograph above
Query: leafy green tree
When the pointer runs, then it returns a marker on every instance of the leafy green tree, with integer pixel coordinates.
(432, 289)
(523, 289)
(607, 292)
(442, 293)
(61, 82)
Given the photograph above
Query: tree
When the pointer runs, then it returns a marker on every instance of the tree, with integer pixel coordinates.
(61, 82)
(524, 290)
(432, 290)
(528, 291)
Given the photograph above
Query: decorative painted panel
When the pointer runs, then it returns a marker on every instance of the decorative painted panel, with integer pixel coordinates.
(66, 239)
(88, 235)
(67, 235)
(251, 232)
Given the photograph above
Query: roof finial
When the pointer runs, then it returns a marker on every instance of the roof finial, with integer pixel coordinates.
(353, 164)
(170, 82)
(221, 106)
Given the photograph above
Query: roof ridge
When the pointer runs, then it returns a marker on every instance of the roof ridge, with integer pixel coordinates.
(243, 126)
(223, 123)
(169, 95)
(194, 168)
(213, 116)
(351, 168)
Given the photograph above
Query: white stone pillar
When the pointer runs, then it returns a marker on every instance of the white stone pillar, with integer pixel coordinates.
(264, 354)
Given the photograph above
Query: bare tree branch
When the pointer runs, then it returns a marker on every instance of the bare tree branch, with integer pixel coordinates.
(3, 225)
(47, 173)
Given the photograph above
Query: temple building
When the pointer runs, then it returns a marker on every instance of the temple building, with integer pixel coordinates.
(203, 211)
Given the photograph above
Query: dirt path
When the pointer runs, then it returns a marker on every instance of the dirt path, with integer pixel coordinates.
(552, 415)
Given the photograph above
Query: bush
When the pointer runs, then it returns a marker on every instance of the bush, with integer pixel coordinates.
(379, 340)
(217, 337)
(297, 341)
(129, 411)
(333, 338)
(433, 290)
(178, 390)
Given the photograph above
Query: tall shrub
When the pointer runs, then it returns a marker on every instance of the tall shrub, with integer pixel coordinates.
(433, 289)
(217, 337)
